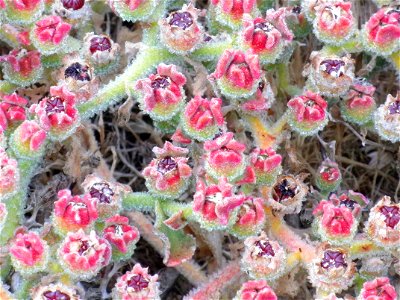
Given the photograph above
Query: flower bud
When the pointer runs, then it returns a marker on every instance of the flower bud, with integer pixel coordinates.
(309, 8)
(263, 99)
(3, 215)
(54, 291)
(359, 105)
(383, 225)
(329, 75)
(23, 12)
(180, 32)
(379, 288)
(382, 31)
(263, 258)
(22, 67)
(335, 224)
(133, 10)
(266, 37)
(121, 236)
(287, 194)
(29, 253)
(307, 113)
(328, 176)
(332, 270)
(49, 34)
(108, 194)
(202, 118)
(352, 200)
(102, 53)
(72, 213)
(256, 290)
(216, 205)
(9, 176)
(334, 22)
(266, 164)
(387, 119)
(225, 157)
(82, 256)
(28, 140)
(168, 175)
(137, 284)
(12, 110)
(57, 113)
(72, 10)
(230, 13)
(237, 73)
(161, 95)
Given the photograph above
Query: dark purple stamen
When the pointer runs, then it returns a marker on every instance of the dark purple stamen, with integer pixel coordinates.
(392, 214)
(73, 4)
(394, 108)
(265, 248)
(264, 26)
(138, 282)
(56, 295)
(348, 203)
(101, 191)
(333, 65)
(333, 259)
(54, 105)
(83, 247)
(296, 9)
(166, 165)
(181, 19)
(100, 43)
(77, 72)
(283, 191)
(160, 82)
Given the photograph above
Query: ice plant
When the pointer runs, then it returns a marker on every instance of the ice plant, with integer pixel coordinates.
(133, 10)
(121, 236)
(72, 213)
(328, 176)
(55, 291)
(180, 32)
(202, 118)
(23, 12)
(224, 157)
(237, 73)
(83, 255)
(137, 284)
(387, 119)
(9, 175)
(168, 174)
(307, 113)
(359, 103)
(72, 10)
(57, 114)
(161, 95)
(22, 67)
(266, 164)
(12, 110)
(230, 13)
(379, 288)
(256, 290)
(29, 253)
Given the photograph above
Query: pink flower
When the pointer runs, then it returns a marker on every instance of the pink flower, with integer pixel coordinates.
(137, 284)
(28, 248)
(256, 290)
(334, 22)
(309, 107)
(120, 234)
(237, 73)
(180, 31)
(167, 175)
(162, 93)
(202, 118)
(383, 28)
(352, 200)
(378, 289)
(250, 217)
(230, 12)
(57, 291)
(24, 5)
(9, 175)
(22, 61)
(57, 113)
(180, 137)
(224, 157)
(74, 212)
(328, 176)
(215, 203)
(30, 136)
(266, 163)
(51, 30)
(12, 110)
(82, 256)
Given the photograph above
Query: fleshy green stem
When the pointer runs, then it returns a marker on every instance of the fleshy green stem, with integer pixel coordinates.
(7, 87)
(211, 50)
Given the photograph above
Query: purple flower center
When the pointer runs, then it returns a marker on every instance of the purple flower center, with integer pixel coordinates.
(83, 247)
(333, 259)
(264, 248)
(56, 295)
(77, 72)
(333, 67)
(264, 26)
(166, 165)
(54, 105)
(101, 191)
(296, 10)
(182, 20)
(160, 82)
(392, 214)
(394, 108)
(283, 191)
(138, 282)
(348, 203)
(100, 43)
(73, 4)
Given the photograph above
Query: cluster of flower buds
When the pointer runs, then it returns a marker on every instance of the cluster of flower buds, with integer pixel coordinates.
(230, 13)
(257, 290)
(137, 284)
(133, 10)
(328, 176)
(387, 119)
